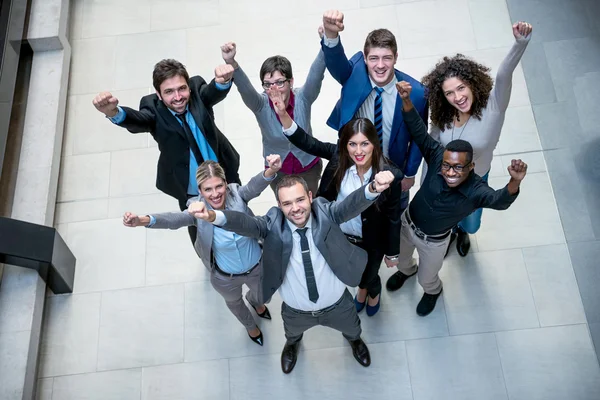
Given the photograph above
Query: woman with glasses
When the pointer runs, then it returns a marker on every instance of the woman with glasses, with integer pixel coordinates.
(465, 104)
(353, 161)
(276, 75)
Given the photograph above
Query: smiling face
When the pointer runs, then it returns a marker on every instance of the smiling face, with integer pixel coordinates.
(295, 203)
(175, 93)
(214, 191)
(360, 150)
(458, 94)
(456, 167)
(380, 65)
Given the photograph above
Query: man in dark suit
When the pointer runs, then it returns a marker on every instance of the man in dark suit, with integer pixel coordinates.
(308, 258)
(368, 82)
(180, 118)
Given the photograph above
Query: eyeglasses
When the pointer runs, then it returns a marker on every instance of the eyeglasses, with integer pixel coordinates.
(279, 84)
(457, 168)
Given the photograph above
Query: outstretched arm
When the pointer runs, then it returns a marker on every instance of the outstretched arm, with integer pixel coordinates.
(417, 128)
(217, 89)
(503, 87)
(361, 199)
(261, 181)
(503, 198)
(251, 98)
(336, 61)
(314, 80)
(233, 221)
(173, 220)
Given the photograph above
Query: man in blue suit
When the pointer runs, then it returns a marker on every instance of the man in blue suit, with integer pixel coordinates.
(368, 82)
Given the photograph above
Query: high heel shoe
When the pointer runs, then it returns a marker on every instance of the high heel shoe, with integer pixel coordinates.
(372, 310)
(265, 314)
(258, 339)
(359, 306)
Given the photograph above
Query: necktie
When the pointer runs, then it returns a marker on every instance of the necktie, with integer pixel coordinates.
(190, 138)
(378, 116)
(311, 283)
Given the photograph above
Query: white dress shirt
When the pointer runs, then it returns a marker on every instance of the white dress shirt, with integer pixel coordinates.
(293, 290)
(350, 183)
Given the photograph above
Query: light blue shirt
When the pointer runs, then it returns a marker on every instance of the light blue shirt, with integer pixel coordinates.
(205, 149)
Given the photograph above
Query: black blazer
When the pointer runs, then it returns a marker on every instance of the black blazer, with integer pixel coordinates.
(172, 175)
(380, 222)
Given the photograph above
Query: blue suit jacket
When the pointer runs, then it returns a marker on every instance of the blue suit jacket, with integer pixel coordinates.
(353, 76)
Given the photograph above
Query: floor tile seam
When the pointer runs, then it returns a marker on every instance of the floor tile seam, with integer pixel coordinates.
(52, 295)
(519, 248)
(410, 380)
(519, 153)
(571, 263)
(13, 332)
(75, 374)
(501, 367)
(535, 305)
(515, 330)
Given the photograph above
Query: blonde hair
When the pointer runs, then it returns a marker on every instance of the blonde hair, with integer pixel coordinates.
(209, 169)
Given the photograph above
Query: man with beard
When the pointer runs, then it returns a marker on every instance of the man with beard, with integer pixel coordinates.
(308, 258)
(180, 118)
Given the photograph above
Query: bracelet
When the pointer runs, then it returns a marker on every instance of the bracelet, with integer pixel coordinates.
(373, 187)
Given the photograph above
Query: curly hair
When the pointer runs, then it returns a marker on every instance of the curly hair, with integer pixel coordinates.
(476, 76)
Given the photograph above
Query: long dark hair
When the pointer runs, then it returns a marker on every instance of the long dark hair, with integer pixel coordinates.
(353, 127)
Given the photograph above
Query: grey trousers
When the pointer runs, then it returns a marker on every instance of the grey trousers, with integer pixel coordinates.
(431, 257)
(341, 317)
(231, 290)
(311, 177)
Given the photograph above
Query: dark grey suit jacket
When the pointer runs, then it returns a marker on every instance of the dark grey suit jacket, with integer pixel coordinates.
(237, 199)
(346, 260)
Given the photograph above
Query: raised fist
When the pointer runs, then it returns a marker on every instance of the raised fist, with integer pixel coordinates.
(106, 103)
(223, 73)
(521, 29)
(404, 88)
(131, 220)
(517, 170)
(333, 23)
(274, 161)
(198, 210)
(228, 51)
(383, 180)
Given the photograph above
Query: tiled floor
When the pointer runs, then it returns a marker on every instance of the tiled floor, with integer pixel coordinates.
(144, 322)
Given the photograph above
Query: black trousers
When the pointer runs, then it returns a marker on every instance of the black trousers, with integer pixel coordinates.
(192, 230)
(370, 278)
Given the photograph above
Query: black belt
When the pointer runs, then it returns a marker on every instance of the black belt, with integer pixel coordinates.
(318, 312)
(421, 235)
(354, 239)
(219, 270)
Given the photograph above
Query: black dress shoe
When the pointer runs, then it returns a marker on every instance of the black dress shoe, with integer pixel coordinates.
(463, 243)
(452, 239)
(265, 314)
(427, 304)
(396, 281)
(257, 339)
(360, 351)
(289, 355)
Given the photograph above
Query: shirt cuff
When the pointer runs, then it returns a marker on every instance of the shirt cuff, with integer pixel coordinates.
(369, 195)
(120, 117)
(291, 130)
(223, 86)
(152, 221)
(330, 42)
(220, 218)
(409, 177)
(269, 179)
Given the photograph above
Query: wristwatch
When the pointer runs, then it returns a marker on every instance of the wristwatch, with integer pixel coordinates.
(373, 186)
(391, 258)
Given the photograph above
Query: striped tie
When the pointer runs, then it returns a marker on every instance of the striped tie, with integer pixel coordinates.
(378, 116)
(311, 283)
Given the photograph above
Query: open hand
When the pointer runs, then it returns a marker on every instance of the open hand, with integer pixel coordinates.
(106, 103)
(521, 29)
(277, 100)
(517, 170)
(383, 180)
(333, 23)
(223, 73)
(228, 51)
(131, 220)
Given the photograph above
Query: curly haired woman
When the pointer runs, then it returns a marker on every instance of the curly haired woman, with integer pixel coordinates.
(465, 104)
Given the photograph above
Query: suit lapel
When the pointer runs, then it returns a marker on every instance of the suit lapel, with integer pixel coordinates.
(286, 251)
(398, 121)
(319, 233)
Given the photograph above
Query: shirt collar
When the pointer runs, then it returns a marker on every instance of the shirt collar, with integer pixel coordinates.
(367, 174)
(464, 187)
(294, 228)
(174, 113)
(390, 88)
